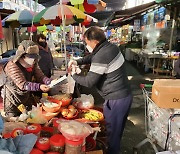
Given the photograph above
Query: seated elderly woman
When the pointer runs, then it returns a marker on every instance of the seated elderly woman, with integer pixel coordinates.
(20, 72)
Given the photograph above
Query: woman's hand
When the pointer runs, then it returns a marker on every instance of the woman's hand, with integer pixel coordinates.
(44, 88)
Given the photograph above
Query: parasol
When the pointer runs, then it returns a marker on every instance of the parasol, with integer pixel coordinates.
(23, 18)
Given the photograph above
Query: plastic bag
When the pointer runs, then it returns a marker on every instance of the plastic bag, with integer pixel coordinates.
(84, 102)
(74, 130)
(36, 116)
(71, 85)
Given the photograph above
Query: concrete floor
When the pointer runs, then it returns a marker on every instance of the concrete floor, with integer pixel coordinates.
(135, 127)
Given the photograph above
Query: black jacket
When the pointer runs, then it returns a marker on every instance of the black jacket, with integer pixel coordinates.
(107, 72)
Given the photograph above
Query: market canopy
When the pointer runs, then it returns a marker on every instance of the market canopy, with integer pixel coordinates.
(123, 16)
(135, 10)
(104, 18)
(167, 1)
(5, 12)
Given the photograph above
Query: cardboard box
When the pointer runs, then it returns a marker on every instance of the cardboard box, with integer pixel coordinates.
(95, 152)
(166, 93)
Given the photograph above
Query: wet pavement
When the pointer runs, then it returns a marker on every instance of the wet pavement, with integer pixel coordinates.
(135, 127)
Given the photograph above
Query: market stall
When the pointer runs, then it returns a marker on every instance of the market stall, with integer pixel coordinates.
(59, 123)
(146, 40)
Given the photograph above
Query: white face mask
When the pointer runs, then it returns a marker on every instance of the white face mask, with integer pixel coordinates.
(89, 48)
(29, 61)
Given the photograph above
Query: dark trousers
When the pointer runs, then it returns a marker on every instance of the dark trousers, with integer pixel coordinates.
(116, 112)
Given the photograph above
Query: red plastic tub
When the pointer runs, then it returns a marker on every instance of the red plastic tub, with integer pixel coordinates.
(36, 151)
(57, 143)
(17, 132)
(43, 143)
(34, 128)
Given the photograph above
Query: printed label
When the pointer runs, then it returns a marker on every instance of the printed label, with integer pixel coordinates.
(32, 127)
(18, 132)
(43, 140)
(176, 100)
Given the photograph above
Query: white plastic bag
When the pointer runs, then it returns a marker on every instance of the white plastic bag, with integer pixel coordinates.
(84, 102)
(74, 130)
(71, 84)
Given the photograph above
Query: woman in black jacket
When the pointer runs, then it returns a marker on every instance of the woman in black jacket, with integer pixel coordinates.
(46, 60)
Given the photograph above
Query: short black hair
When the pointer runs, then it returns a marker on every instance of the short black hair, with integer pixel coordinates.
(95, 33)
(40, 36)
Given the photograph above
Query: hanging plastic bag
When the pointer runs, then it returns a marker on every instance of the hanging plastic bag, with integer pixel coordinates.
(71, 84)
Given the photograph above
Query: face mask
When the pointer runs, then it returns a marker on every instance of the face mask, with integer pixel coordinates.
(89, 48)
(43, 44)
(29, 61)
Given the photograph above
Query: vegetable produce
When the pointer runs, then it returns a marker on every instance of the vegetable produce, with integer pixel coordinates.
(70, 112)
(92, 115)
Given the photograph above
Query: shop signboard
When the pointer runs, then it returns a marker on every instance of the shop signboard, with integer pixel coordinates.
(137, 25)
(144, 19)
(161, 13)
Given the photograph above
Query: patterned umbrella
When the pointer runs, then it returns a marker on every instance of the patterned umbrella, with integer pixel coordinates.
(38, 18)
(69, 12)
(23, 18)
(88, 20)
(53, 15)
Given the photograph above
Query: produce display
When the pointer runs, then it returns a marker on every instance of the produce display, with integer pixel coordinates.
(61, 96)
(74, 123)
(50, 104)
(64, 99)
(69, 112)
(92, 115)
(49, 115)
